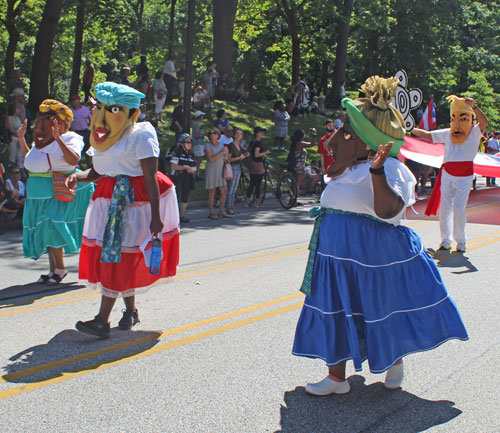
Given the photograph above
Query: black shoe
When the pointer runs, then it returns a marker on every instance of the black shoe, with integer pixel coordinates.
(129, 319)
(96, 326)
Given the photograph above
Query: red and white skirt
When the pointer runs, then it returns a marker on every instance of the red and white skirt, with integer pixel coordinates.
(130, 276)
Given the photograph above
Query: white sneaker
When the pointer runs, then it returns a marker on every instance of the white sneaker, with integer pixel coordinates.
(328, 386)
(461, 247)
(394, 376)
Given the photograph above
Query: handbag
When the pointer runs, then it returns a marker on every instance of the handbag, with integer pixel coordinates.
(257, 167)
(227, 171)
(61, 191)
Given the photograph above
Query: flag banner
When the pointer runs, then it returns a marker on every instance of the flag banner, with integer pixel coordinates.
(431, 154)
(428, 121)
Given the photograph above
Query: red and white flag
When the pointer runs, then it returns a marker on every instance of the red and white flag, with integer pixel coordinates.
(428, 122)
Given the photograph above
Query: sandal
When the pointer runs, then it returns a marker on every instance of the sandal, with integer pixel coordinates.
(224, 215)
(231, 212)
(44, 278)
(235, 211)
(212, 216)
(55, 279)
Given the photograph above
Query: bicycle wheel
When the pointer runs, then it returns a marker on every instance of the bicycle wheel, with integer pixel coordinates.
(263, 188)
(287, 193)
(242, 187)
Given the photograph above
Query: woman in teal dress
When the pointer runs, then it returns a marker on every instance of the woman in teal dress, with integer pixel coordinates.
(50, 225)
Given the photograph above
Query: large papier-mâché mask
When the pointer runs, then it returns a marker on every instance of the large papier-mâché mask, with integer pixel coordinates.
(108, 124)
(42, 132)
(461, 124)
(346, 148)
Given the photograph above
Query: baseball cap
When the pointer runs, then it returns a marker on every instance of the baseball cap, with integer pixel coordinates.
(327, 121)
(18, 91)
(198, 114)
(496, 133)
(75, 97)
(258, 129)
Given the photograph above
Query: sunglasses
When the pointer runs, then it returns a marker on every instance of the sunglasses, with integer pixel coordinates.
(16, 172)
(187, 141)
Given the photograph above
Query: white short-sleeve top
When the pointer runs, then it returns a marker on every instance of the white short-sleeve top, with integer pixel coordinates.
(36, 159)
(352, 191)
(465, 151)
(138, 142)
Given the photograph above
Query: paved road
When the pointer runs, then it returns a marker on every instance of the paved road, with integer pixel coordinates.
(212, 353)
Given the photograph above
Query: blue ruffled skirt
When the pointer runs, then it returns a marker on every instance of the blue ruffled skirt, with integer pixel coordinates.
(376, 294)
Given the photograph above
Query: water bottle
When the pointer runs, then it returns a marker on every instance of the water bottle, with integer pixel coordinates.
(155, 260)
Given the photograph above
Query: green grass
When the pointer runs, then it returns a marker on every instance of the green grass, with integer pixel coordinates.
(246, 117)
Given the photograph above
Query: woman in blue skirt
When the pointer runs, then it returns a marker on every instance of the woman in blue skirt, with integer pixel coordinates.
(373, 292)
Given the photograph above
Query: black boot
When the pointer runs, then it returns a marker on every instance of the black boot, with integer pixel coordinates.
(129, 319)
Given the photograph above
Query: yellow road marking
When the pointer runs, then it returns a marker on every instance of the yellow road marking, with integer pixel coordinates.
(141, 354)
(59, 363)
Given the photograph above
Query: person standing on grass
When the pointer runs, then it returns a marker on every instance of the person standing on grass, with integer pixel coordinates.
(257, 153)
(281, 119)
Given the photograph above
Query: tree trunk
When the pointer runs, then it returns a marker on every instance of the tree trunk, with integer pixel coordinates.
(77, 52)
(171, 29)
(10, 16)
(43, 50)
(224, 14)
(289, 13)
(341, 53)
(189, 65)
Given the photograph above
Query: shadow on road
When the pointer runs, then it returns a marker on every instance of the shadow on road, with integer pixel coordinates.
(452, 259)
(72, 351)
(34, 291)
(370, 408)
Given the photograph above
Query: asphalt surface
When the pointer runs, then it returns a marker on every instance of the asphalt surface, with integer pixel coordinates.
(212, 353)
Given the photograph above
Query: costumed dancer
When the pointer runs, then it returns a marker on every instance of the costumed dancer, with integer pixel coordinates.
(131, 202)
(53, 216)
(452, 187)
(373, 291)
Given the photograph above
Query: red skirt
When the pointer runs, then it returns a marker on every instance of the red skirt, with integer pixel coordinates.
(130, 276)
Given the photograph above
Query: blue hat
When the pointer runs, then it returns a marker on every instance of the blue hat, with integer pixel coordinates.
(183, 137)
(111, 93)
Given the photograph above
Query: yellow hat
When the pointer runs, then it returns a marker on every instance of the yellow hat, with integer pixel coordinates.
(58, 108)
(458, 105)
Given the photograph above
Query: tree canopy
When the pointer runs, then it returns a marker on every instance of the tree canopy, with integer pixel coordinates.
(446, 46)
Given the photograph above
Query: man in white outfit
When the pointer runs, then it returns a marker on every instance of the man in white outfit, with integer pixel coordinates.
(452, 187)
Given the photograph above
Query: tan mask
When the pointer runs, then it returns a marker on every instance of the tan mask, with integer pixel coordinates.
(108, 124)
(460, 126)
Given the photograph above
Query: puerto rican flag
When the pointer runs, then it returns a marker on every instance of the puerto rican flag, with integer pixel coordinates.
(428, 122)
(431, 154)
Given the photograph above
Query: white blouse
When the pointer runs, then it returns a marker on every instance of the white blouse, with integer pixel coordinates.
(138, 142)
(352, 191)
(36, 159)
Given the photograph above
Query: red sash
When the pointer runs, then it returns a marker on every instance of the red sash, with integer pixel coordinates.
(455, 168)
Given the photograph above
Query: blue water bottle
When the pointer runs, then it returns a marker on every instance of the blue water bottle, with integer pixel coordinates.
(155, 260)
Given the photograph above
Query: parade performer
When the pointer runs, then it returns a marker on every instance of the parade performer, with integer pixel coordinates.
(132, 202)
(373, 291)
(461, 143)
(53, 216)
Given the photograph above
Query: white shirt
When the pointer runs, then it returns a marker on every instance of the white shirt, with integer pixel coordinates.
(225, 140)
(352, 191)
(36, 159)
(169, 69)
(138, 142)
(465, 151)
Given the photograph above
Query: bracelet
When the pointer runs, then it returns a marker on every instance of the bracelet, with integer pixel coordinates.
(377, 171)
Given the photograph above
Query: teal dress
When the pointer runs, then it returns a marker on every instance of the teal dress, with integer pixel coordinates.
(48, 222)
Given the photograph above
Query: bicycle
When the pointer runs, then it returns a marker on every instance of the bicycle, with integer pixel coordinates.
(284, 187)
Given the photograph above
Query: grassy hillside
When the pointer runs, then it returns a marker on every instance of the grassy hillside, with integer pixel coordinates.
(246, 117)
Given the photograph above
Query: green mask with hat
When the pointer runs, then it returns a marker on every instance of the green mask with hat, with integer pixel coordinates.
(373, 118)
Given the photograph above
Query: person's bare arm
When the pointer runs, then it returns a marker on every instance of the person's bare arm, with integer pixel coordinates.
(70, 156)
(215, 157)
(422, 133)
(386, 202)
(149, 168)
(481, 118)
(22, 140)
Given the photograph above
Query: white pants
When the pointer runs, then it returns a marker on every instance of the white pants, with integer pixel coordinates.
(15, 154)
(454, 195)
(181, 88)
(159, 103)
